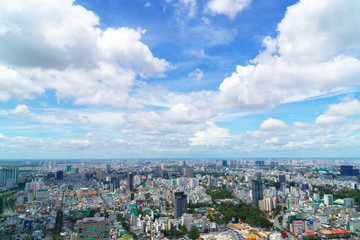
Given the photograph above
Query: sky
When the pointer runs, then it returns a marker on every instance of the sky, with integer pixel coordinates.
(179, 79)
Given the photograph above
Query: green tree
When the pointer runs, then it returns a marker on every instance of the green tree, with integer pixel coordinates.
(194, 233)
(280, 219)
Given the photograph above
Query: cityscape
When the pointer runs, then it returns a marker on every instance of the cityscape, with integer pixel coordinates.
(180, 119)
(180, 199)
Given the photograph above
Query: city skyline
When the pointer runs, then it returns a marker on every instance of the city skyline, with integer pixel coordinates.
(179, 79)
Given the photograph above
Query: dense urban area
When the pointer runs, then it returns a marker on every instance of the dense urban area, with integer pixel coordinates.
(180, 199)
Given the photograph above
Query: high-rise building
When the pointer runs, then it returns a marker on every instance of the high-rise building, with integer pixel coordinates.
(158, 171)
(257, 192)
(108, 168)
(130, 181)
(59, 175)
(68, 168)
(260, 163)
(180, 202)
(328, 199)
(189, 172)
(163, 207)
(224, 163)
(274, 164)
(9, 177)
(347, 170)
(180, 163)
(93, 228)
(282, 178)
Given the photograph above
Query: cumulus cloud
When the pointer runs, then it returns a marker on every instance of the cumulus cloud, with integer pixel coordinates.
(311, 56)
(212, 136)
(13, 84)
(227, 7)
(21, 110)
(272, 124)
(59, 45)
(339, 112)
(335, 129)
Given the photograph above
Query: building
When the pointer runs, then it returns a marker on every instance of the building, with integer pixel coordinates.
(224, 163)
(34, 186)
(180, 202)
(189, 172)
(108, 168)
(42, 195)
(9, 177)
(163, 207)
(257, 192)
(68, 168)
(158, 171)
(50, 176)
(186, 220)
(260, 163)
(274, 164)
(349, 202)
(282, 178)
(130, 181)
(268, 204)
(59, 175)
(328, 199)
(180, 163)
(95, 228)
(348, 170)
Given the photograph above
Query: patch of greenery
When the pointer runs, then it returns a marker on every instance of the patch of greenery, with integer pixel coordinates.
(348, 193)
(218, 193)
(247, 213)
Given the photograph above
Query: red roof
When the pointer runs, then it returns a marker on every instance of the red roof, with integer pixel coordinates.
(338, 231)
(309, 233)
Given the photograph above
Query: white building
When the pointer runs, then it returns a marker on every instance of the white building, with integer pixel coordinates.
(328, 199)
(186, 220)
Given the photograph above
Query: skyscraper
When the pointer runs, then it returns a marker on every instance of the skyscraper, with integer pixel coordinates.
(130, 181)
(180, 202)
(224, 163)
(9, 177)
(348, 170)
(59, 175)
(189, 172)
(257, 192)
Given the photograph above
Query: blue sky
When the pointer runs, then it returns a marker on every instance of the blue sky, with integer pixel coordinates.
(179, 78)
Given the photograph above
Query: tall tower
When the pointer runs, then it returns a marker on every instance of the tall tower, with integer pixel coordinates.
(180, 202)
(130, 181)
(257, 192)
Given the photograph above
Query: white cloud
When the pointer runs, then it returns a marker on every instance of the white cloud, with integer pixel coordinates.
(190, 5)
(2, 137)
(212, 136)
(13, 84)
(147, 4)
(197, 73)
(227, 7)
(311, 56)
(337, 113)
(271, 124)
(21, 110)
(58, 45)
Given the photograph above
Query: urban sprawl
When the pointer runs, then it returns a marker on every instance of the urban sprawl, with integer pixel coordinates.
(180, 199)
